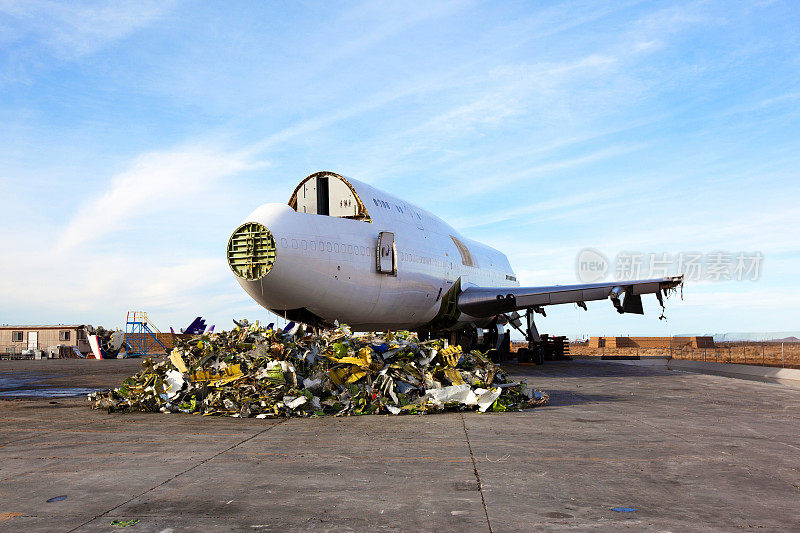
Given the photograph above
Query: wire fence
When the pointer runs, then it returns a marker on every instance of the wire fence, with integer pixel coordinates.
(774, 354)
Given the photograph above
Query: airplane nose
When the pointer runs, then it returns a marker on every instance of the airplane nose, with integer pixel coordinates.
(251, 251)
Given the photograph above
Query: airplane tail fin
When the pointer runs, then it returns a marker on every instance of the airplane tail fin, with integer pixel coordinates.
(197, 327)
(291, 328)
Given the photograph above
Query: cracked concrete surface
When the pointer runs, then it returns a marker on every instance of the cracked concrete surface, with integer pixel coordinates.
(688, 451)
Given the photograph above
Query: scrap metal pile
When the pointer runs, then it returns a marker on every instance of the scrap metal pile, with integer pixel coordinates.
(109, 341)
(253, 371)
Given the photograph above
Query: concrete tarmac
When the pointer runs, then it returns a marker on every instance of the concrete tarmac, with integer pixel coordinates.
(686, 451)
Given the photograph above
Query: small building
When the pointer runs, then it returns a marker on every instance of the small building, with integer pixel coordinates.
(15, 339)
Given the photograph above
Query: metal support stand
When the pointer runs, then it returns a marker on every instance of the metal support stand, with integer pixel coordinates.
(535, 347)
(531, 333)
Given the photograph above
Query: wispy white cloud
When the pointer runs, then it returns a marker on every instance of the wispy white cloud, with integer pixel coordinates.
(562, 204)
(529, 98)
(379, 21)
(87, 285)
(69, 29)
(505, 93)
(327, 120)
(471, 187)
(100, 266)
(156, 181)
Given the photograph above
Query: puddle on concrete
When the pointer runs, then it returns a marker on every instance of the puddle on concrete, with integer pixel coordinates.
(18, 380)
(29, 385)
(46, 393)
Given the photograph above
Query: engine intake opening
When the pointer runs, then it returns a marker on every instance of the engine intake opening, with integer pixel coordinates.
(251, 251)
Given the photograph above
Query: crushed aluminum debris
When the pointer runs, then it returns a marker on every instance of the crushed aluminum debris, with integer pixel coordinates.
(253, 371)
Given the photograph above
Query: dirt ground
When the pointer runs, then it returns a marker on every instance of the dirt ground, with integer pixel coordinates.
(751, 353)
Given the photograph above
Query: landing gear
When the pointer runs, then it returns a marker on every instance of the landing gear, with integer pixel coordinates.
(496, 343)
(500, 350)
(535, 350)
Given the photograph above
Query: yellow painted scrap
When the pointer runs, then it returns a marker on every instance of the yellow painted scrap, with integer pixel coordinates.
(356, 375)
(177, 361)
(225, 381)
(346, 375)
(337, 375)
(350, 360)
(365, 354)
(454, 376)
(364, 359)
(451, 355)
(229, 374)
(203, 375)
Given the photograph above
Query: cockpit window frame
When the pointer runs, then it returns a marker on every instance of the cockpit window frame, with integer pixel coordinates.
(363, 214)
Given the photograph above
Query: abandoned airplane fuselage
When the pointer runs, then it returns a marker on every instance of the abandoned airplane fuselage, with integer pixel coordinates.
(344, 251)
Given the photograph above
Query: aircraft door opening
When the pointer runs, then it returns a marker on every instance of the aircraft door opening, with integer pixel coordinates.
(323, 195)
(387, 253)
(330, 195)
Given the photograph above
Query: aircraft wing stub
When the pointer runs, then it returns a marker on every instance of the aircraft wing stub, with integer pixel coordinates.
(491, 301)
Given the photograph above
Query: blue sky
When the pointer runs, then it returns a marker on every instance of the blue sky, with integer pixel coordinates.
(134, 136)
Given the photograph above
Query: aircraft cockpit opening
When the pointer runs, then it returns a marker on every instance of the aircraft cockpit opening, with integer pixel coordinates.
(328, 194)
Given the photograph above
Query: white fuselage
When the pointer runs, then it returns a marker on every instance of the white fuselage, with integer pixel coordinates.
(327, 265)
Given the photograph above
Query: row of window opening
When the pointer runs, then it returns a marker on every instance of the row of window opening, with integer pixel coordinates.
(328, 246)
(355, 249)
